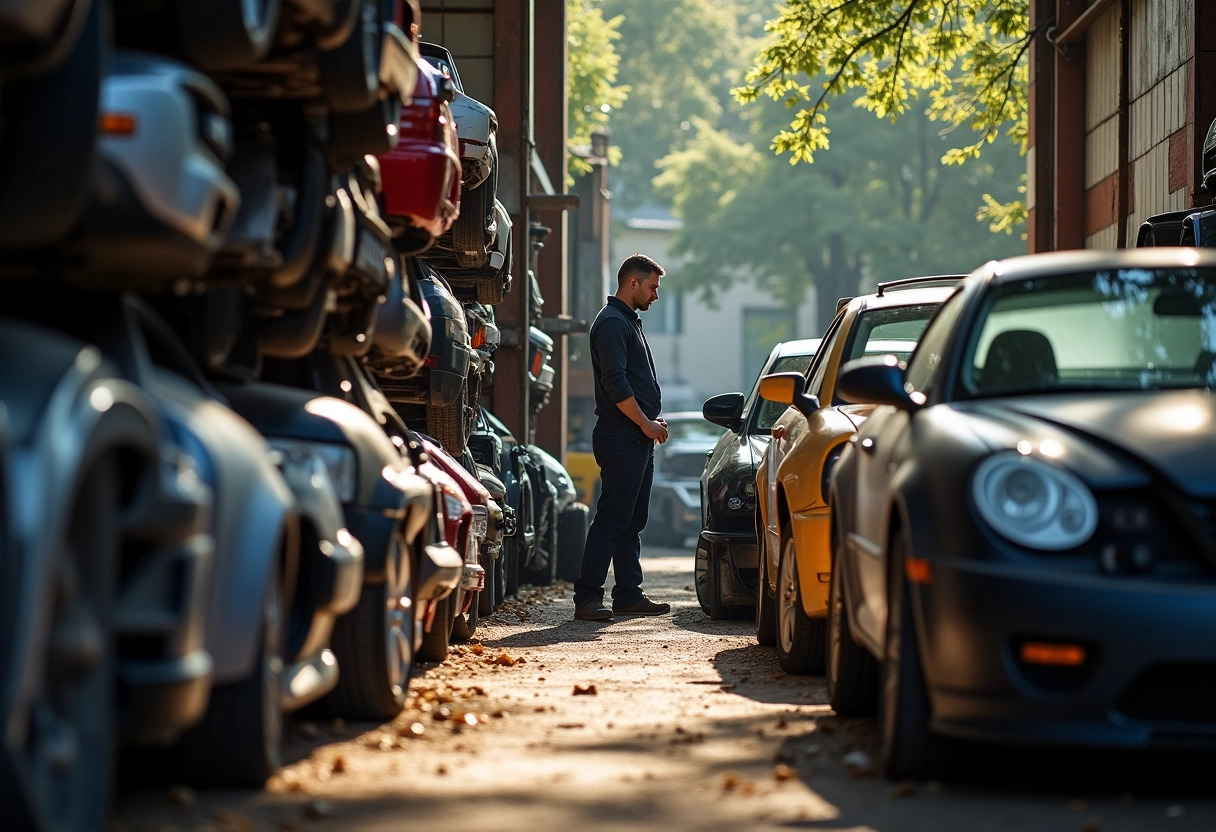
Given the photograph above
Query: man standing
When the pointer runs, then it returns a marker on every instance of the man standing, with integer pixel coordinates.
(627, 406)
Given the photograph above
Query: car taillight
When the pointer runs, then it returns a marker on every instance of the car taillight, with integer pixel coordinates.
(420, 119)
(538, 361)
(479, 336)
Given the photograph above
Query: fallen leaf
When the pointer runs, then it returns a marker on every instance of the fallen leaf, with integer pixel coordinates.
(783, 772)
(585, 690)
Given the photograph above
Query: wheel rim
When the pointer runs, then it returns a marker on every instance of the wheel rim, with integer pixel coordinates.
(398, 621)
(787, 597)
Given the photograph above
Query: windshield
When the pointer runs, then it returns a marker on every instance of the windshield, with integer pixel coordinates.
(1131, 329)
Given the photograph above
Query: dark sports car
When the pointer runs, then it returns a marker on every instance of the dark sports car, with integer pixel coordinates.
(1024, 531)
(726, 561)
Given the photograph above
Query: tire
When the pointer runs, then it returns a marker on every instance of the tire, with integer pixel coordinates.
(74, 709)
(800, 638)
(546, 542)
(447, 423)
(223, 34)
(908, 749)
(437, 639)
(492, 292)
(374, 644)
(572, 525)
(465, 624)
(239, 742)
(350, 74)
(707, 581)
(852, 673)
(766, 606)
(469, 229)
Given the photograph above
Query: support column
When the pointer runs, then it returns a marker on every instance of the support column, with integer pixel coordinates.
(1069, 149)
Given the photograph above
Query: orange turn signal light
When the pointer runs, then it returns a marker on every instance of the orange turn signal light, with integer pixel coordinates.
(117, 124)
(1056, 655)
(918, 570)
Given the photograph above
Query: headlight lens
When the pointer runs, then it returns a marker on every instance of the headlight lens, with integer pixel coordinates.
(339, 461)
(1033, 503)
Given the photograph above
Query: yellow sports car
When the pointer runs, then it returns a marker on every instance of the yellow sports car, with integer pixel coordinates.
(791, 480)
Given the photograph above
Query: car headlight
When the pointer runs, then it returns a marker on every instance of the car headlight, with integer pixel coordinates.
(1033, 503)
(339, 461)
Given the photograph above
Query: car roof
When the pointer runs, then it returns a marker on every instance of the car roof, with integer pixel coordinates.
(798, 346)
(893, 298)
(1083, 260)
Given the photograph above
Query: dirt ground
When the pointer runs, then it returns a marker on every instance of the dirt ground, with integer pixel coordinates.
(670, 723)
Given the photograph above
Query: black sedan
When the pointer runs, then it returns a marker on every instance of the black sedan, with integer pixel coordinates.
(1023, 531)
(727, 559)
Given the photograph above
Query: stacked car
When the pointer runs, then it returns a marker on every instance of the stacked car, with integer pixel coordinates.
(229, 262)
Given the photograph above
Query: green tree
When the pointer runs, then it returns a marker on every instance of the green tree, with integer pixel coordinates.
(880, 206)
(592, 65)
(680, 60)
(967, 56)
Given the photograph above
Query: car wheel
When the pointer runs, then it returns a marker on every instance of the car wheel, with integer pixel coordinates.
(572, 526)
(374, 644)
(852, 673)
(800, 638)
(350, 74)
(909, 750)
(546, 545)
(447, 423)
(707, 583)
(239, 742)
(465, 623)
(67, 758)
(437, 639)
(226, 34)
(766, 605)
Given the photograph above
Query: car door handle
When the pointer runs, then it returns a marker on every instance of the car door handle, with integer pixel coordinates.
(868, 445)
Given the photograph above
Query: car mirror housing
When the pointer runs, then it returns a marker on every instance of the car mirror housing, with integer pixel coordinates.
(876, 379)
(789, 389)
(725, 409)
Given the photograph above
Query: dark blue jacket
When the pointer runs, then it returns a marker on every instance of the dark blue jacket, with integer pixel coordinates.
(622, 364)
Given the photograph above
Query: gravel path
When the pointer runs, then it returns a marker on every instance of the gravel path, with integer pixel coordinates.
(676, 722)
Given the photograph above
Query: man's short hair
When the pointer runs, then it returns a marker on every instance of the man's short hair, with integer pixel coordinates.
(638, 264)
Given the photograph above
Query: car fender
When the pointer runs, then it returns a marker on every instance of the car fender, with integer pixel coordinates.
(63, 408)
(254, 517)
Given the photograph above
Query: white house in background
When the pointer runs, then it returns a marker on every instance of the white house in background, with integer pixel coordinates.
(700, 350)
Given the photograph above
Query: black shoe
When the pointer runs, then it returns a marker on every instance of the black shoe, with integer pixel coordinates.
(593, 611)
(643, 607)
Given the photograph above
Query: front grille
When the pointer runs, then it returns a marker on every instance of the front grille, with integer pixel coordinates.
(1172, 693)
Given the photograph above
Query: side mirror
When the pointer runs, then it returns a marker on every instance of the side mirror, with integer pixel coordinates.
(877, 379)
(788, 389)
(725, 410)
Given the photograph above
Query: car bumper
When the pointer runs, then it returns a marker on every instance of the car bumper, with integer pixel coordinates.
(417, 182)
(738, 561)
(1149, 679)
(440, 570)
(813, 545)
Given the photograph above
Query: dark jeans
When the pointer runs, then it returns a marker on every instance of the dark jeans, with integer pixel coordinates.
(626, 459)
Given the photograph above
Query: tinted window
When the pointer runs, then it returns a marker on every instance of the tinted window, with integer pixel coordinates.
(923, 366)
(1124, 329)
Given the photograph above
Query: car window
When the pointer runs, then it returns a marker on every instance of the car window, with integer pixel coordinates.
(767, 413)
(925, 361)
(889, 330)
(827, 348)
(1118, 329)
(693, 429)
